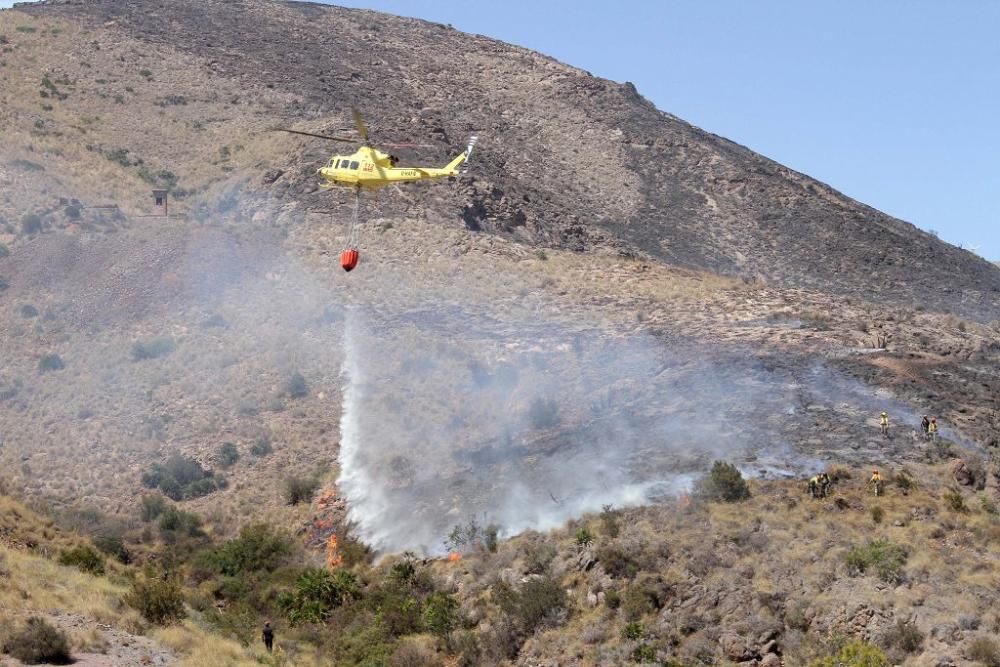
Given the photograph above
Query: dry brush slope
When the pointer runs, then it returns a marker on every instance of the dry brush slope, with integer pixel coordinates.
(566, 158)
(133, 90)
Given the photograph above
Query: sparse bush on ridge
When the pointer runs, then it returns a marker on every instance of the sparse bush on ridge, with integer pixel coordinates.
(38, 642)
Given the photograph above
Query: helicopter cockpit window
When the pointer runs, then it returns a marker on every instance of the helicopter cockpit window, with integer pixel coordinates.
(354, 165)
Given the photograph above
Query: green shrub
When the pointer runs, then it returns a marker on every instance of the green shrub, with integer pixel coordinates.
(296, 386)
(544, 413)
(877, 513)
(617, 562)
(4, 250)
(259, 548)
(85, 558)
(538, 556)
(442, 615)
(152, 349)
(491, 537)
(644, 653)
(634, 630)
(316, 593)
(176, 523)
(882, 557)
(905, 636)
(988, 505)
(855, 654)
(160, 601)
(28, 311)
(50, 362)
(262, 447)
(180, 478)
(300, 489)
(3, 284)
(111, 543)
(984, 650)
(31, 223)
(152, 506)
(955, 502)
(228, 455)
(539, 601)
(724, 482)
(904, 482)
(37, 643)
(609, 521)
(354, 551)
(584, 538)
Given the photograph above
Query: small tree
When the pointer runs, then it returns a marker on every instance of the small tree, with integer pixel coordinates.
(724, 482)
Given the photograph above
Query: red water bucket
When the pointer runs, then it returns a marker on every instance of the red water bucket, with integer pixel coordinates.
(349, 259)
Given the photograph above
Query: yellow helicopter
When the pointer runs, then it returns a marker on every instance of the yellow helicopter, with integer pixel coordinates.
(370, 169)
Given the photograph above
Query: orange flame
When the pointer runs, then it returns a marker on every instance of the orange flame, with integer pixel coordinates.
(454, 557)
(684, 501)
(333, 557)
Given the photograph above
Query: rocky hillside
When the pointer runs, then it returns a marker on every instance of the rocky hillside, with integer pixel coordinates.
(605, 304)
(178, 93)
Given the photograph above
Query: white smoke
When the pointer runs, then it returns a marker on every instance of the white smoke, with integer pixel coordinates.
(455, 415)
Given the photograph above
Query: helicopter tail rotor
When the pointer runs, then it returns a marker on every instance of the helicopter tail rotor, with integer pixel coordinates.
(468, 151)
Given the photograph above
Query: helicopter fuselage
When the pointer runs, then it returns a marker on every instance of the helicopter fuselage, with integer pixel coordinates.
(371, 169)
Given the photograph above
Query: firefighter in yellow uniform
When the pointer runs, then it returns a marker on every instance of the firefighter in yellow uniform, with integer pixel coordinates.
(884, 424)
(876, 482)
(932, 429)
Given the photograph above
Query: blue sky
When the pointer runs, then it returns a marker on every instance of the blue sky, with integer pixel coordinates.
(895, 103)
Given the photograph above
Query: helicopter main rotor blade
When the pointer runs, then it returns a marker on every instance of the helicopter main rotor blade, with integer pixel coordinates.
(360, 125)
(408, 145)
(318, 136)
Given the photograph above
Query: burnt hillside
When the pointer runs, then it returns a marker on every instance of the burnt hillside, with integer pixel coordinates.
(565, 159)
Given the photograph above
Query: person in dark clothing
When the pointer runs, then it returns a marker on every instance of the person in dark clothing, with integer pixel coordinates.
(268, 636)
(925, 425)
